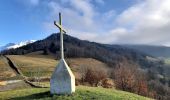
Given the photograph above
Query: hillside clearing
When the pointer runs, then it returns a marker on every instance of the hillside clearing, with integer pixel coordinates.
(82, 93)
(31, 65)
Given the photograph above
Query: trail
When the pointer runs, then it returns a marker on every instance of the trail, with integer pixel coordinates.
(12, 66)
(18, 72)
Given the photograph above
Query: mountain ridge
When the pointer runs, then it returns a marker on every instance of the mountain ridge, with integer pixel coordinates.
(156, 51)
(74, 47)
(14, 45)
(6, 46)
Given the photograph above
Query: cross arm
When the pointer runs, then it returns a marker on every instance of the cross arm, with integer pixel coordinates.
(59, 26)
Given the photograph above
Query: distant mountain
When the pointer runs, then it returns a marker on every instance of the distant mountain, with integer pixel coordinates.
(14, 46)
(6, 46)
(156, 51)
(21, 44)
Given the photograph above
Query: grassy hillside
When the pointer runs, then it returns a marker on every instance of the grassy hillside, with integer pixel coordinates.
(31, 64)
(5, 71)
(82, 93)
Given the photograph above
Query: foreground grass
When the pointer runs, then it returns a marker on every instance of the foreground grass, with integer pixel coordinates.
(82, 93)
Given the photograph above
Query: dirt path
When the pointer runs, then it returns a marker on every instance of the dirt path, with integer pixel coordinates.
(18, 72)
(12, 66)
(13, 84)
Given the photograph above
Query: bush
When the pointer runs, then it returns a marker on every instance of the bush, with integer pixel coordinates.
(92, 75)
(128, 78)
(106, 83)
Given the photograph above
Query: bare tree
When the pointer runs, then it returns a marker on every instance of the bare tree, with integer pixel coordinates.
(127, 77)
(92, 75)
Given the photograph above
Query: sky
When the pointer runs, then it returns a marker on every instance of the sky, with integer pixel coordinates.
(103, 21)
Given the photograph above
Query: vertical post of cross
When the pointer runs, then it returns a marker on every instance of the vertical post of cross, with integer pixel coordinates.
(61, 37)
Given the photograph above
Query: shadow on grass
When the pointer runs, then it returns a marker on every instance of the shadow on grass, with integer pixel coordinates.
(34, 96)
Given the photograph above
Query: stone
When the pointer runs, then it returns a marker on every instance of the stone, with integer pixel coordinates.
(62, 80)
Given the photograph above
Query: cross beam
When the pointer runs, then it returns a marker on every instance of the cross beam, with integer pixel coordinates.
(59, 25)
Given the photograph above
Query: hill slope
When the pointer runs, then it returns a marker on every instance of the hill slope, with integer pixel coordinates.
(157, 51)
(31, 64)
(82, 93)
(109, 54)
(113, 56)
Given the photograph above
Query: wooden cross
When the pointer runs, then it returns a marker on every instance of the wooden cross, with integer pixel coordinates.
(61, 35)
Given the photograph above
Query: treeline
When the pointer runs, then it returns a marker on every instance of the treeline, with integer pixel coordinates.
(113, 55)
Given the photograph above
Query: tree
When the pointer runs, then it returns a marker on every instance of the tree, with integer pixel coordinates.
(45, 51)
(93, 75)
(124, 77)
(141, 86)
(127, 77)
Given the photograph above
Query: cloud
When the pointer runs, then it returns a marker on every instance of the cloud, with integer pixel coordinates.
(79, 15)
(146, 22)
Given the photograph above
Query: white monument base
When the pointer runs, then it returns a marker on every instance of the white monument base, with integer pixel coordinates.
(62, 80)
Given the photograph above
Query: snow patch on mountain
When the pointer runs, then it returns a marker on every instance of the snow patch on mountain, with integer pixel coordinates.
(14, 46)
(21, 44)
(6, 46)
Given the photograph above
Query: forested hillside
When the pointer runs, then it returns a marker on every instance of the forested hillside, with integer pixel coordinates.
(156, 51)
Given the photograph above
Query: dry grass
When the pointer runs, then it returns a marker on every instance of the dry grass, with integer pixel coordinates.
(79, 65)
(39, 54)
(5, 71)
(30, 66)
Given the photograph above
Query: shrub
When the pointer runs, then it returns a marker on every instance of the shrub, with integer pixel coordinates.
(128, 78)
(92, 75)
(106, 83)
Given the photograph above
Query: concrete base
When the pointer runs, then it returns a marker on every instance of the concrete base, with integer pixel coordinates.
(62, 80)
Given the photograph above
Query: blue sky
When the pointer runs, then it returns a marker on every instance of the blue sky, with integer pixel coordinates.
(104, 21)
